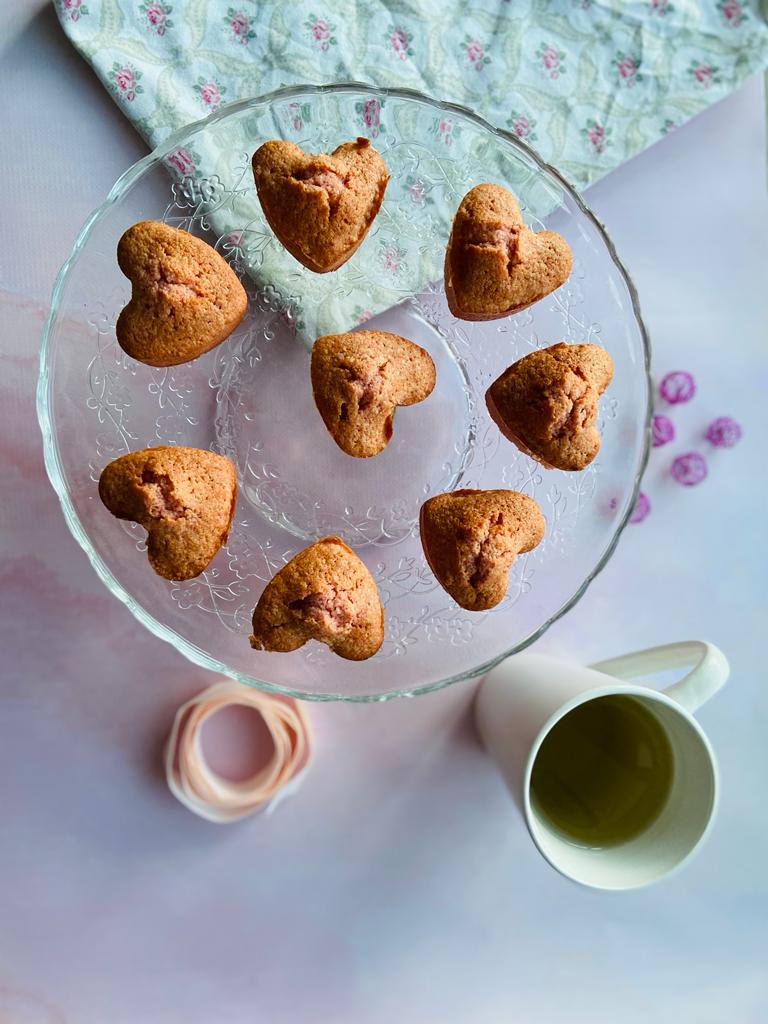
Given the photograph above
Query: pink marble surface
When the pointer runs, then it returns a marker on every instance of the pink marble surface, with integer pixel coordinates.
(398, 884)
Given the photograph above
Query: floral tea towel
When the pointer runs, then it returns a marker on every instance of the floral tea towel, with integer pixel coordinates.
(588, 83)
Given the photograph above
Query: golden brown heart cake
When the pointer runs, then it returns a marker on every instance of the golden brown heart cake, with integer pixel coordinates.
(183, 497)
(359, 378)
(546, 403)
(471, 538)
(494, 264)
(324, 593)
(320, 205)
(185, 299)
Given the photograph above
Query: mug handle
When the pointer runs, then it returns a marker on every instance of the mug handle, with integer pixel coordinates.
(708, 666)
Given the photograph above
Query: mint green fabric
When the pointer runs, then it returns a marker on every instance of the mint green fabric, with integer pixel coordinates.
(588, 83)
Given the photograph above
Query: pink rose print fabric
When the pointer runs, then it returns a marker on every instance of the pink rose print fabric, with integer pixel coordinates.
(321, 33)
(156, 16)
(533, 93)
(210, 94)
(73, 10)
(369, 112)
(239, 25)
(734, 13)
(183, 162)
(704, 74)
(586, 83)
(125, 81)
(390, 256)
(400, 43)
(596, 135)
(551, 60)
(445, 130)
(522, 126)
(476, 54)
(628, 69)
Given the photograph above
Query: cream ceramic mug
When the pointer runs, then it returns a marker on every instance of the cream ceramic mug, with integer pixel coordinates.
(522, 700)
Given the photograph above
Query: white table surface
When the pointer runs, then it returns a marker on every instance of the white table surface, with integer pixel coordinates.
(398, 884)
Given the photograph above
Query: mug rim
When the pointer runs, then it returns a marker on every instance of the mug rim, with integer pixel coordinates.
(628, 689)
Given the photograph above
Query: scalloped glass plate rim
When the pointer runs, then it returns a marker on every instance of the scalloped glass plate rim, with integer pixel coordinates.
(53, 469)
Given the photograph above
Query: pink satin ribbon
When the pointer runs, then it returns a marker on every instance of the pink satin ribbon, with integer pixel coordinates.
(221, 800)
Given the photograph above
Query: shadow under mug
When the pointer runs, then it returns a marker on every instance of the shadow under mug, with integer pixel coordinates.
(523, 699)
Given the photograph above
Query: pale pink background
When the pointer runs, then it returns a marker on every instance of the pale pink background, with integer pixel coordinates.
(398, 884)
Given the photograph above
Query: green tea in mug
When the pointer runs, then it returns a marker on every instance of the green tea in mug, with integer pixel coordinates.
(604, 772)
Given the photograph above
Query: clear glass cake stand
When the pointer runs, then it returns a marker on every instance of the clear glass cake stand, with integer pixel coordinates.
(250, 398)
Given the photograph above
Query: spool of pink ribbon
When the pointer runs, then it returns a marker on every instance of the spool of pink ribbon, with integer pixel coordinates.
(194, 783)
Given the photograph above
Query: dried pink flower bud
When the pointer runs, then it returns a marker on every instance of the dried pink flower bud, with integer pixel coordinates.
(689, 469)
(642, 508)
(723, 432)
(677, 387)
(662, 430)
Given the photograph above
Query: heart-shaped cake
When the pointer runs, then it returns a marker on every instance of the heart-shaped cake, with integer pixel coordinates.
(320, 205)
(359, 378)
(183, 497)
(494, 264)
(546, 403)
(471, 538)
(324, 593)
(185, 299)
